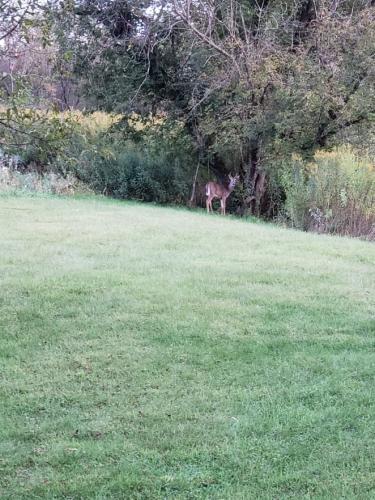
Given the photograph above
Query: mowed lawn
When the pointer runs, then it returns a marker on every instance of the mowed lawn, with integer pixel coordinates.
(153, 353)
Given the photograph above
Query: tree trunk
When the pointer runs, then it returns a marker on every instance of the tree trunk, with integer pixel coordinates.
(254, 182)
(192, 201)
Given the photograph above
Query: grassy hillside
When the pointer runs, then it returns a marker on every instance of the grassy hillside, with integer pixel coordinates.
(156, 353)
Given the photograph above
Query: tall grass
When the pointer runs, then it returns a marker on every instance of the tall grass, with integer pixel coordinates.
(12, 181)
(335, 193)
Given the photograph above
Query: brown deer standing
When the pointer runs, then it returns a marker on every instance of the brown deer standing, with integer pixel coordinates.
(215, 190)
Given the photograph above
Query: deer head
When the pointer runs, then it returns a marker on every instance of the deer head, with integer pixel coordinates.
(233, 181)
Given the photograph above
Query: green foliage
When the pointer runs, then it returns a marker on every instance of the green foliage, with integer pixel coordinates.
(295, 179)
(134, 173)
(149, 159)
(334, 193)
(95, 41)
(38, 137)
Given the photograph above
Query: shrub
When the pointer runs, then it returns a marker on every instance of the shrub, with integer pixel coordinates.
(145, 159)
(295, 182)
(136, 174)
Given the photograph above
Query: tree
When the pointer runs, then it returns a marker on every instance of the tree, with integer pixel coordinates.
(288, 77)
(17, 21)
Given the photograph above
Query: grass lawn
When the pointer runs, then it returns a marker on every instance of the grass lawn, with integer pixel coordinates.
(154, 353)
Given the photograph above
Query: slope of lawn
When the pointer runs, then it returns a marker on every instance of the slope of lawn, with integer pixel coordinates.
(155, 353)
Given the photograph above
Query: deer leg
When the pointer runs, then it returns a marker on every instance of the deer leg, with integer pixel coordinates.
(223, 205)
(209, 204)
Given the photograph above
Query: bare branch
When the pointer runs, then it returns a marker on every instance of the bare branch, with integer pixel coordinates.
(185, 17)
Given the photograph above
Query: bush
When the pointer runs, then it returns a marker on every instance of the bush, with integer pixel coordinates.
(137, 174)
(148, 160)
(335, 193)
(145, 158)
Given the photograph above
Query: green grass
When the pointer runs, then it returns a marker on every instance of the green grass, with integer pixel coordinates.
(153, 353)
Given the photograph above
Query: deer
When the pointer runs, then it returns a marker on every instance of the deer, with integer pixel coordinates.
(216, 190)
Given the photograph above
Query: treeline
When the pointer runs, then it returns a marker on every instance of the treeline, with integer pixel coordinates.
(280, 92)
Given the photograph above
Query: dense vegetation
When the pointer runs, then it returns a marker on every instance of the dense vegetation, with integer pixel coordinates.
(155, 353)
(280, 92)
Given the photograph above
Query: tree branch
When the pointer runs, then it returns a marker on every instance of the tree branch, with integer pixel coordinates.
(186, 19)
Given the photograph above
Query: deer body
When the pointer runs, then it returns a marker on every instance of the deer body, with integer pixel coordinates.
(216, 190)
